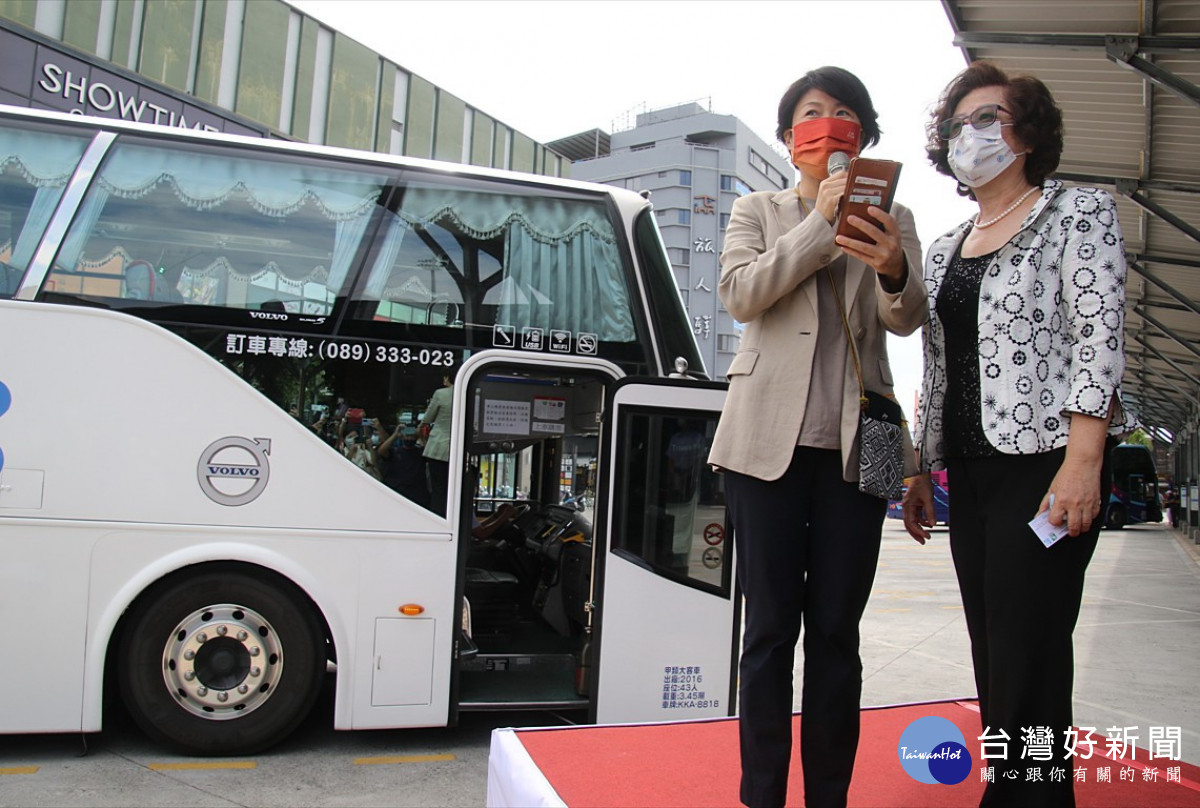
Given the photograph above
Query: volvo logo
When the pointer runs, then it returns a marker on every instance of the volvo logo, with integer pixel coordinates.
(234, 471)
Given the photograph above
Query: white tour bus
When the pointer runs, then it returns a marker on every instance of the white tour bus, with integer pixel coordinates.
(215, 485)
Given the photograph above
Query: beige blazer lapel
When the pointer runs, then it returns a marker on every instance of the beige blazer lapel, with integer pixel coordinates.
(787, 213)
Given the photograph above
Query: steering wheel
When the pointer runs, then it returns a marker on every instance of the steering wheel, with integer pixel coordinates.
(506, 514)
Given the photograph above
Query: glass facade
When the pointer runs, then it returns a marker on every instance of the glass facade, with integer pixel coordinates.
(263, 56)
(353, 95)
(20, 11)
(481, 140)
(81, 24)
(212, 47)
(167, 41)
(448, 145)
(275, 66)
(522, 153)
(305, 77)
(422, 106)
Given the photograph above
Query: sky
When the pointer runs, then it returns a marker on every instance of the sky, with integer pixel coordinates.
(551, 69)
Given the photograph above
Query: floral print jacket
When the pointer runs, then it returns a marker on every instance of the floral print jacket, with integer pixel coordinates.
(1051, 326)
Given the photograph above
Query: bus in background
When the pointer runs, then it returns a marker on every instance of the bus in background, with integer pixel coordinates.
(220, 357)
(941, 500)
(1134, 496)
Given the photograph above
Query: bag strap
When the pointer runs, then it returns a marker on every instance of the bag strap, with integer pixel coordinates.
(862, 390)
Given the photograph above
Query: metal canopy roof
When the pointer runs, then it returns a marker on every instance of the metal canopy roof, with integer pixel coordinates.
(1125, 73)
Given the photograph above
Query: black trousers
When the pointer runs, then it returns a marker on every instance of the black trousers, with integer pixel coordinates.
(1021, 601)
(807, 548)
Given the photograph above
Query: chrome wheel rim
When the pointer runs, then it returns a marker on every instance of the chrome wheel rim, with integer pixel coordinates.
(222, 661)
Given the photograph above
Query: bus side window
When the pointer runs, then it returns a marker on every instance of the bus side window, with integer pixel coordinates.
(179, 225)
(459, 257)
(35, 164)
(672, 512)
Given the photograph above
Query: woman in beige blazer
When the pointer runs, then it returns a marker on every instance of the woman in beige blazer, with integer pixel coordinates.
(807, 539)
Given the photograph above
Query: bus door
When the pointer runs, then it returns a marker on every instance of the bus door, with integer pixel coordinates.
(668, 611)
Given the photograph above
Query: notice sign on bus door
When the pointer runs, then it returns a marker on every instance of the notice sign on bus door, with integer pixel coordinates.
(683, 688)
(549, 414)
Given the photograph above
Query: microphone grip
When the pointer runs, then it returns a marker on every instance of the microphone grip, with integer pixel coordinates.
(837, 163)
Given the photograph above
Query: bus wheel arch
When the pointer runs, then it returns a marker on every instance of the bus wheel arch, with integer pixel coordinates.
(220, 658)
(1115, 519)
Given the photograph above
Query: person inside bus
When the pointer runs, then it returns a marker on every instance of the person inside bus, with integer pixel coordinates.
(807, 540)
(402, 464)
(357, 448)
(1024, 354)
(437, 444)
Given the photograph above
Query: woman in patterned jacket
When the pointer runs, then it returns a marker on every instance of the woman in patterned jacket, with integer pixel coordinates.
(1024, 353)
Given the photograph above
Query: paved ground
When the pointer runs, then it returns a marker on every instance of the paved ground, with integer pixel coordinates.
(1137, 650)
(1137, 644)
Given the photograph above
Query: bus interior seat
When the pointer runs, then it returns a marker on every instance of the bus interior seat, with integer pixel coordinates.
(140, 281)
(493, 596)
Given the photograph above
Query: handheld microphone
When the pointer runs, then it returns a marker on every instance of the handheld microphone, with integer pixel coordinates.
(838, 162)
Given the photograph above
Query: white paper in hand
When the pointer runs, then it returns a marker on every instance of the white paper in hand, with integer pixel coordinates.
(1046, 532)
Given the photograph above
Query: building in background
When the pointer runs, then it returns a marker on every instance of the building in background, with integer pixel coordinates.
(695, 163)
(256, 67)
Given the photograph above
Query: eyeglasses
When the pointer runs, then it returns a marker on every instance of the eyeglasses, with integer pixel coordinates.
(981, 118)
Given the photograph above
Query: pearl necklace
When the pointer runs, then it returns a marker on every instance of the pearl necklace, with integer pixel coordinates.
(1006, 211)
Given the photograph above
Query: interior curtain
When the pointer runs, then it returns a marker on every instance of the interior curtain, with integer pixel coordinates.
(347, 237)
(81, 228)
(389, 248)
(579, 276)
(44, 159)
(205, 181)
(45, 200)
(486, 216)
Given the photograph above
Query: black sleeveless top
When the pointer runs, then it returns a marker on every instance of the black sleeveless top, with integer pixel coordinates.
(957, 306)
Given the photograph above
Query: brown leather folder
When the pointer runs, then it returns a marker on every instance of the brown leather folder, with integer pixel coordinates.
(871, 183)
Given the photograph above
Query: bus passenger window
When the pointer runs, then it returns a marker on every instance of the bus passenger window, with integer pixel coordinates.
(35, 165)
(459, 257)
(173, 225)
(672, 511)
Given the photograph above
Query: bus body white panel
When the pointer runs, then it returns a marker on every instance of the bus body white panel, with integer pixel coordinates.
(652, 627)
(666, 647)
(44, 624)
(358, 549)
(151, 460)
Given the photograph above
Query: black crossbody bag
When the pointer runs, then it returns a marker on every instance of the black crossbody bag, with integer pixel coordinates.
(881, 428)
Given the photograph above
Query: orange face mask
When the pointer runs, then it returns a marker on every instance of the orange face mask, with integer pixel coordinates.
(814, 140)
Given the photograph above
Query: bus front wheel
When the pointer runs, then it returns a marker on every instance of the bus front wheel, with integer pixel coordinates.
(1115, 519)
(221, 663)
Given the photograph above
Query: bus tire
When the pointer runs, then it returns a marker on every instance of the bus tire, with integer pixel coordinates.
(1115, 518)
(221, 662)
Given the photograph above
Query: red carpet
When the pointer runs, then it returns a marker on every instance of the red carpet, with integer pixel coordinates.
(695, 764)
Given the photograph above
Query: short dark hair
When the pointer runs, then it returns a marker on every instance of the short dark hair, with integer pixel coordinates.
(842, 85)
(1037, 119)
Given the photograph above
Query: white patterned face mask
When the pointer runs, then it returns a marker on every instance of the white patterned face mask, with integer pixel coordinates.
(978, 156)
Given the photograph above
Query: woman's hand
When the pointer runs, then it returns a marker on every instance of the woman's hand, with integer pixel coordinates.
(829, 194)
(886, 255)
(917, 507)
(1075, 489)
(1076, 496)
